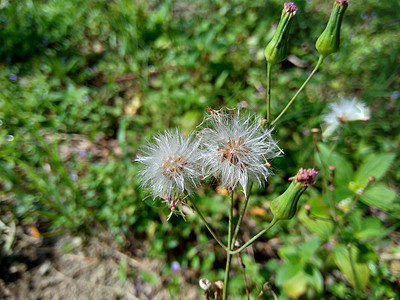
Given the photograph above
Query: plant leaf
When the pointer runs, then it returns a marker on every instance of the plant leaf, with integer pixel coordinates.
(344, 170)
(342, 260)
(381, 197)
(375, 165)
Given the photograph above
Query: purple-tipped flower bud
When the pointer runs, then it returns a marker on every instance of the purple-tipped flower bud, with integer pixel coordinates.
(305, 177)
(329, 40)
(276, 50)
(285, 206)
(290, 7)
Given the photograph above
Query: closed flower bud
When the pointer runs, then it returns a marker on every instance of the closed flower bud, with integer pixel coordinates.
(276, 50)
(284, 207)
(329, 41)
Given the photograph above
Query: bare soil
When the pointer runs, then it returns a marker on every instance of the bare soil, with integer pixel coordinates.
(71, 267)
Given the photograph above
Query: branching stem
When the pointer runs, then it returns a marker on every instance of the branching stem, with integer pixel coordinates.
(320, 60)
(242, 213)
(254, 238)
(207, 225)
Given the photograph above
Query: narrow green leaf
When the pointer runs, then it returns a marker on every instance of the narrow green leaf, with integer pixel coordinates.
(322, 227)
(287, 271)
(316, 280)
(326, 158)
(371, 228)
(221, 79)
(342, 260)
(375, 165)
(296, 286)
(381, 197)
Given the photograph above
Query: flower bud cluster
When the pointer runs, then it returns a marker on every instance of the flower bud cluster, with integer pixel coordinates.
(327, 43)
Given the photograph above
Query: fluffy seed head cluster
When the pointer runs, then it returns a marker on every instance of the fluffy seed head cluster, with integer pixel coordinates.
(344, 111)
(170, 166)
(236, 150)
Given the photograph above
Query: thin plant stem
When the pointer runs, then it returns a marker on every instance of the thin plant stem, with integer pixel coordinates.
(207, 225)
(246, 201)
(254, 238)
(331, 188)
(353, 270)
(359, 194)
(269, 67)
(226, 279)
(320, 60)
(243, 266)
(267, 287)
(228, 252)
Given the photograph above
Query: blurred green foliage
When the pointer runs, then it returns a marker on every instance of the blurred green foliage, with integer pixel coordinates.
(112, 73)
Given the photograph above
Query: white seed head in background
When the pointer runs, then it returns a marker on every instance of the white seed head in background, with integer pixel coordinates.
(344, 111)
(170, 166)
(236, 149)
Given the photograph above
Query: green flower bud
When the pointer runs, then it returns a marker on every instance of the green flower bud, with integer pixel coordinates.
(276, 50)
(329, 40)
(284, 207)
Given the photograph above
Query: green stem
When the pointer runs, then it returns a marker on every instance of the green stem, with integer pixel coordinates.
(254, 238)
(228, 252)
(320, 60)
(246, 201)
(353, 269)
(207, 225)
(269, 67)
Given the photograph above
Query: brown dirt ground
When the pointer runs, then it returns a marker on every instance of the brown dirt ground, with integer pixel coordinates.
(37, 268)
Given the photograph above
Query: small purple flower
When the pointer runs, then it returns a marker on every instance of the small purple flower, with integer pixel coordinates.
(232, 48)
(74, 176)
(13, 77)
(175, 266)
(290, 7)
(259, 87)
(305, 176)
(82, 153)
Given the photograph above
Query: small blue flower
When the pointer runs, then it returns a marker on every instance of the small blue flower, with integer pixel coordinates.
(175, 266)
(13, 77)
(74, 176)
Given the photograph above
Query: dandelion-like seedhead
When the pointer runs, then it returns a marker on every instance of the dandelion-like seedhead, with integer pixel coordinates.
(170, 166)
(344, 111)
(236, 150)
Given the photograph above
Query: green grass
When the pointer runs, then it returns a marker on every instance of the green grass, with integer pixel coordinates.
(104, 76)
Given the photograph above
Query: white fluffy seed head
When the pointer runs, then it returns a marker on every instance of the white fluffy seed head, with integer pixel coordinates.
(170, 166)
(344, 111)
(236, 149)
